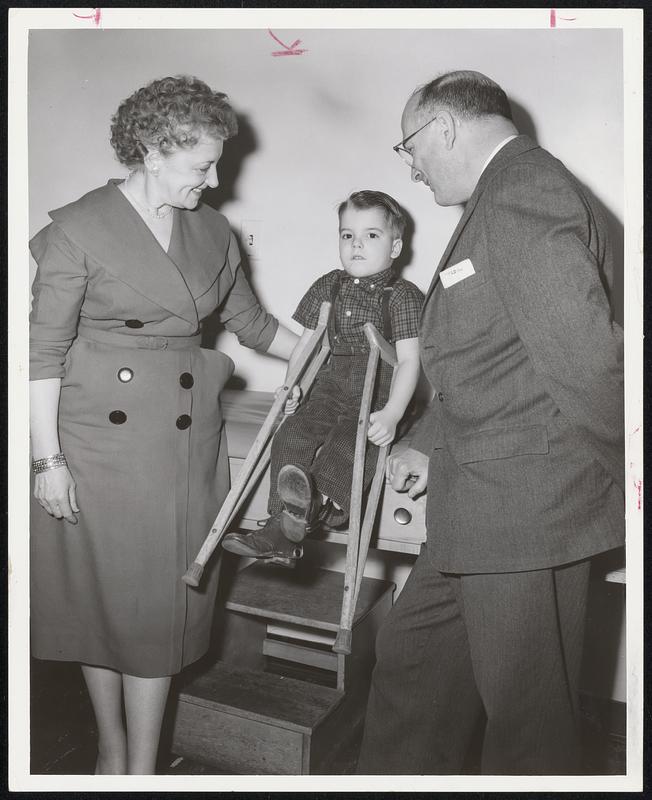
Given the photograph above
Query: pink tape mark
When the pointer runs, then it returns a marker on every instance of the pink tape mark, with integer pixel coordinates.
(289, 49)
(638, 485)
(96, 16)
(553, 17)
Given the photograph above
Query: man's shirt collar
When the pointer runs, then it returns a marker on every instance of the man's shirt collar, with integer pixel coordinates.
(498, 147)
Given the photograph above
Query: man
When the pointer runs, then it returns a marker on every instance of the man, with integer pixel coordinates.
(521, 452)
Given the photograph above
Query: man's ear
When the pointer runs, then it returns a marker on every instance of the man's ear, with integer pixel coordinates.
(397, 246)
(448, 128)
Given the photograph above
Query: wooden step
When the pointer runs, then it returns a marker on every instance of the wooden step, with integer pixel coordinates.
(263, 696)
(248, 722)
(304, 595)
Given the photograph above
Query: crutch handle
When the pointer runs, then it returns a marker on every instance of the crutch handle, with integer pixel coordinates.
(343, 642)
(387, 352)
(193, 575)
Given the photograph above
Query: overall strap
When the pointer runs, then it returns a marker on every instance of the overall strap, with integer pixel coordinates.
(335, 290)
(387, 318)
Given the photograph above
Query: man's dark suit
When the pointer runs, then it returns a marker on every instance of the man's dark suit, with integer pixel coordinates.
(526, 478)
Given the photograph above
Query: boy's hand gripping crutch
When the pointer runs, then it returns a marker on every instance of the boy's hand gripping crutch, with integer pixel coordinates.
(359, 536)
(253, 465)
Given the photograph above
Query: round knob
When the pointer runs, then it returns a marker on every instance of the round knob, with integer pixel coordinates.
(402, 516)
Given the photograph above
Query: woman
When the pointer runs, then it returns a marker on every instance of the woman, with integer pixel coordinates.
(129, 452)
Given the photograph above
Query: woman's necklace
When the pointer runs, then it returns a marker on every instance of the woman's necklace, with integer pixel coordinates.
(151, 212)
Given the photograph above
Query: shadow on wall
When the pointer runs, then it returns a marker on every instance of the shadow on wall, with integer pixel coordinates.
(525, 125)
(407, 253)
(617, 236)
(236, 151)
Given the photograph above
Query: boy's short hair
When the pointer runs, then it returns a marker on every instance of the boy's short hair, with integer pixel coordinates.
(368, 198)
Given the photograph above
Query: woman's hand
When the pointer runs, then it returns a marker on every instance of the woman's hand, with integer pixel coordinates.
(382, 428)
(292, 403)
(55, 490)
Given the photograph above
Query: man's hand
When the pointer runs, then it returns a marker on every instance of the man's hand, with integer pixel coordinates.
(408, 471)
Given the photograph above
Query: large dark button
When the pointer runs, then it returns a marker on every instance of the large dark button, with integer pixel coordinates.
(186, 380)
(440, 397)
(183, 422)
(125, 374)
(117, 417)
(134, 323)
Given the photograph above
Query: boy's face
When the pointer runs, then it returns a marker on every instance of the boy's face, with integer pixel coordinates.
(367, 244)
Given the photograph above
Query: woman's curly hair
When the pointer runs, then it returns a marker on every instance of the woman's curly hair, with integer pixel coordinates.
(167, 114)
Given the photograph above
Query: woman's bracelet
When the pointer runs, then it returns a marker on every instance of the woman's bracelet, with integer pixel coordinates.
(51, 462)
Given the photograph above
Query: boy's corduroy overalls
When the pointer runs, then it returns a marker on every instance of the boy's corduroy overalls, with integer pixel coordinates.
(320, 436)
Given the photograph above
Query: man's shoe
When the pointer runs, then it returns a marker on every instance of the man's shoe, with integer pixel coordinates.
(301, 503)
(269, 544)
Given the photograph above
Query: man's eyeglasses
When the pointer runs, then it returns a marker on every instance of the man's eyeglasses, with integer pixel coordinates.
(400, 148)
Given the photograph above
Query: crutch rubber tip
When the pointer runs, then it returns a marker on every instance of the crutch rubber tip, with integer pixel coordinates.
(343, 642)
(193, 575)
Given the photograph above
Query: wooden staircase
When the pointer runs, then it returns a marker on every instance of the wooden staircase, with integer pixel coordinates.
(273, 697)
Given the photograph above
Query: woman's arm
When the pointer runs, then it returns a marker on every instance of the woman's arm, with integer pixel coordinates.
(382, 428)
(55, 488)
(284, 343)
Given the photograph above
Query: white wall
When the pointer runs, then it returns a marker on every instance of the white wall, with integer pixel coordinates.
(323, 124)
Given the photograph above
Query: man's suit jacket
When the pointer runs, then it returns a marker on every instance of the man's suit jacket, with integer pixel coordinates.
(525, 431)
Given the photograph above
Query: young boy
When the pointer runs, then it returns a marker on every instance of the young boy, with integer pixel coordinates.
(313, 451)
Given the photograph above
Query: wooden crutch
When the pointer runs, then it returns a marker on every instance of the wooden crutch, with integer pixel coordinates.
(253, 466)
(359, 536)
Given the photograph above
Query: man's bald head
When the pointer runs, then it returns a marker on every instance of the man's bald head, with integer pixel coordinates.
(465, 93)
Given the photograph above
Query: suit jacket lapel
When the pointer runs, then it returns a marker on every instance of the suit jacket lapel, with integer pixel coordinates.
(517, 146)
(109, 230)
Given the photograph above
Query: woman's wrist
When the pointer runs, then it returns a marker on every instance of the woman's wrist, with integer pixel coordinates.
(50, 462)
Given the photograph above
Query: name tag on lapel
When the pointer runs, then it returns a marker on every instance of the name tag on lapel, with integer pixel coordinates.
(456, 273)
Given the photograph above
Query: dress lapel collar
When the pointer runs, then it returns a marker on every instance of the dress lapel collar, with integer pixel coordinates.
(109, 230)
(189, 251)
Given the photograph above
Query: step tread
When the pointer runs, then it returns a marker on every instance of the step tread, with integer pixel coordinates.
(263, 696)
(304, 595)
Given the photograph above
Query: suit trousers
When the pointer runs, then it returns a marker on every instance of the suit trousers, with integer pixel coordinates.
(455, 647)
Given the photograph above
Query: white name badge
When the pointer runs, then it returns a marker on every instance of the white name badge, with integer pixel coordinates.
(456, 273)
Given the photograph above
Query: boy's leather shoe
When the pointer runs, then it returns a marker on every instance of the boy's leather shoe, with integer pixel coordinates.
(301, 503)
(269, 543)
(331, 518)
